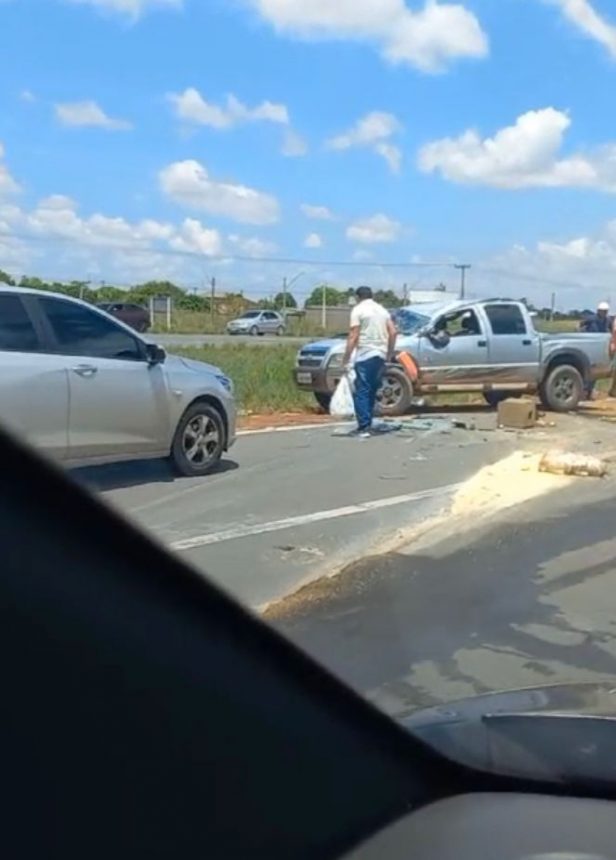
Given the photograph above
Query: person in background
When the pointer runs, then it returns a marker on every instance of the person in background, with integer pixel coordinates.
(612, 391)
(372, 340)
(600, 322)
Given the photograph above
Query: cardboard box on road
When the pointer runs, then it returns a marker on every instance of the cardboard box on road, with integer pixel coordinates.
(518, 414)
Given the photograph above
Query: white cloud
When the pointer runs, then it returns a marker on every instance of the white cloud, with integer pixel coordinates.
(88, 114)
(313, 240)
(193, 237)
(371, 128)
(293, 145)
(317, 213)
(100, 242)
(428, 39)
(377, 229)
(580, 270)
(583, 15)
(392, 155)
(189, 184)
(132, 8)
(191, 107)
(57, 217)
(8, 185)
(372, 131)
(251, 246)
(524, 155)
(27, 96)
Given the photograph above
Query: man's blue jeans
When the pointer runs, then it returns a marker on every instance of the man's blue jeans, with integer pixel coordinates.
(367, 382)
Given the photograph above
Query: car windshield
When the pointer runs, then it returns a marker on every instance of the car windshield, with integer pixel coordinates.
(409, 322)
(430, 517)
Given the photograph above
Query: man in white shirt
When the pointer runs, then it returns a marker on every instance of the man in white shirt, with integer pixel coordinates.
(372, 338)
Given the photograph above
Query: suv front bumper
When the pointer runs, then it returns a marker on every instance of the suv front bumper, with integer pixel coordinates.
(317, 379)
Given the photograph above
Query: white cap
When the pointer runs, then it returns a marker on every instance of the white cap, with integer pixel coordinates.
(603, 306)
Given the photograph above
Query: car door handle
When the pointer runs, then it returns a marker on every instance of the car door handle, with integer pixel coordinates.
(482, 343)
(527, 343)
(85, 370)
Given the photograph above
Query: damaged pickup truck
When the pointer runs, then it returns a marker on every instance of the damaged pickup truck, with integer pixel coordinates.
(490, 347)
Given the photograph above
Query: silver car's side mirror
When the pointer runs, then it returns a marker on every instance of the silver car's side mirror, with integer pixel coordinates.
(155, 354)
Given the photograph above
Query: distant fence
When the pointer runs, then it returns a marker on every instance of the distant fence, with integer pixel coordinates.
(336, 319)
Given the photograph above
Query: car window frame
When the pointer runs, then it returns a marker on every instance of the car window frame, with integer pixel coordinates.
(39, 330)
(56, 348)
(455, 314)
(486, 310)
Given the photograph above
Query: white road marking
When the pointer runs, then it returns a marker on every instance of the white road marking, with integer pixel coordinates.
(293, 427)
(243, 531)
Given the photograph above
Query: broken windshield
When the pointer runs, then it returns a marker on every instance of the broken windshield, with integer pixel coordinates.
(409, 322)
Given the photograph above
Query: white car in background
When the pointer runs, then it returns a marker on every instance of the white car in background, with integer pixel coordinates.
(257, 322)
(85, 389)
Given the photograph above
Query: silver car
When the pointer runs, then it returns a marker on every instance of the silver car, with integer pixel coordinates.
(257, 322)
(85, 389)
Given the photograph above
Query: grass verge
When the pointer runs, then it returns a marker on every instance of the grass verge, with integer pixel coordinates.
(263, 376)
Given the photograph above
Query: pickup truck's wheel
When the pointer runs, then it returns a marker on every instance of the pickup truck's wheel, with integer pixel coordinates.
(562, 389)
(199, 440)
(395, 395)
(323, 399)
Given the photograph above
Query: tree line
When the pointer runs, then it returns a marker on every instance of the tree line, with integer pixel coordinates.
(184, 300)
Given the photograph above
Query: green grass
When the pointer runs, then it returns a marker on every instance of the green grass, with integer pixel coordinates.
(557, 326)
(263, 376)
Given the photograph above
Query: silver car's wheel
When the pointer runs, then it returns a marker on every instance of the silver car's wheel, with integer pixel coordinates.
(254, 331)
(199, 440)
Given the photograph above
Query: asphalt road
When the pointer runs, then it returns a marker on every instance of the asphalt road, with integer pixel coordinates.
(525, 602)
(287, 507)
(171, 340)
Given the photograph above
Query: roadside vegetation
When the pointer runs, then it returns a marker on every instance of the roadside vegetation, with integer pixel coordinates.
(200, 313)
(263, 376)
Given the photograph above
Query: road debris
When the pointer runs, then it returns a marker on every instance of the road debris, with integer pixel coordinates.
(459, 424)
(437, 424)
(508, 483)
(517, 414)
(580, 465)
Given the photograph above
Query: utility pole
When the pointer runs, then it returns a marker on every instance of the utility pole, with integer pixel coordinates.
(405, 293)
(324, 307)
(463, 269)
(284, 297)
(552, 307)
(212, 299)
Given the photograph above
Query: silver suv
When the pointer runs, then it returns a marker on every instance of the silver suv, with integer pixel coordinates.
(85, 389)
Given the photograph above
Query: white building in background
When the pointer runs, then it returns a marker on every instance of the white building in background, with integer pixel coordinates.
(425, 297)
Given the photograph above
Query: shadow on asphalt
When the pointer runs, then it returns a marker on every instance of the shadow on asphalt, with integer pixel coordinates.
(453, 409)
(484, 598)
(117, 476)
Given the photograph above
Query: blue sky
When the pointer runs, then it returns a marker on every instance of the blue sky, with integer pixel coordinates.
(151, 138)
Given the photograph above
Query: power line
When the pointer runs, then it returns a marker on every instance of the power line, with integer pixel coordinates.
(239, 258)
